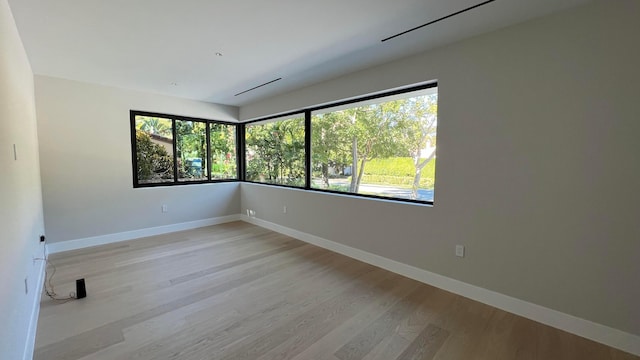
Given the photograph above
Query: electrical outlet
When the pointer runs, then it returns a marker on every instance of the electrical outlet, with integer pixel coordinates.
(42, 238)
(460, 250)
(284, 209)
(251, 213)
(165, 208)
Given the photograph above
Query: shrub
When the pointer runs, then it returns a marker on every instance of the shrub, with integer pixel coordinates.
(397, 171)
(401, 181)
(154, 163)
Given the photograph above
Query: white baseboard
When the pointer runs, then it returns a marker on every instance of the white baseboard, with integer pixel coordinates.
(35, 312)
(600, 333)
(134, 234)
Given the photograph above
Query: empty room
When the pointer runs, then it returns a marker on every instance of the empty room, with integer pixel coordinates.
(321, 180)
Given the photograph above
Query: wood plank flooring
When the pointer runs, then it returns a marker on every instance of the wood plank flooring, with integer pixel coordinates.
(238, 291)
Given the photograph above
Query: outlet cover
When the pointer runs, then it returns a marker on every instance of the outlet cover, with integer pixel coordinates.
(460, 250)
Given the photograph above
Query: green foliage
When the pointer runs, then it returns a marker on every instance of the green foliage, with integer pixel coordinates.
(398, 166)
(343, 188)
(223, 151)
(154, 125)
(398, 171)
(275, 152)
(417, 119)
(191, 143)
(330, 144)
(354, 137)
(396, 181)
(155, 164)
(191, 149)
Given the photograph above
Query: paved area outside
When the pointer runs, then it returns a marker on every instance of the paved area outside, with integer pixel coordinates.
(384, 190)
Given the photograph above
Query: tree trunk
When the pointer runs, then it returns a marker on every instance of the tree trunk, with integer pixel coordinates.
(418, 171)
(360, 173)
(325, 175)
(362, 163)
(416, 183)
(354, 165)
(324, 166)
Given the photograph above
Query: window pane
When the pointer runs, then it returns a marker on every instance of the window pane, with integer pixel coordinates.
(154, 149)
(223, 151)
(192, 150)
(383, 147)
(275, 151)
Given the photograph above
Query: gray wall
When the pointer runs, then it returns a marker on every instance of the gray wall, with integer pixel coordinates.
(85, 149)
(20, 193)
(538, 167)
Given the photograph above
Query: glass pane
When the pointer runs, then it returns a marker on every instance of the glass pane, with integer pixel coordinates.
(383, 147)
(192, 150)
(154, 149)
(223, 151)
(275, 151)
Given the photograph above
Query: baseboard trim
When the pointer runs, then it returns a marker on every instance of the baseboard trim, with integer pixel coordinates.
(593, 331)
(134, 234)
(35, 313)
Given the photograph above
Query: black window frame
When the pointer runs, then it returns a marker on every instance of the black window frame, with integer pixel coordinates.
(307, 162)
(176, 180)
(240, 148)
(307, 115)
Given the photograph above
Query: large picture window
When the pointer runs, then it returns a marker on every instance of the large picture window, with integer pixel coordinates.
(382, 147)
(275, 151)
(170, 150)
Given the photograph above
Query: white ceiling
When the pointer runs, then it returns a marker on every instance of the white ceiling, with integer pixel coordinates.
(169, 46)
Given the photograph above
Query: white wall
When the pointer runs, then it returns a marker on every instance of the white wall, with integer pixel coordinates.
(538, 168)
(20, 196)
(85, 150)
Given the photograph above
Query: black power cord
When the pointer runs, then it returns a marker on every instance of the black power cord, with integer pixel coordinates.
(48, 286)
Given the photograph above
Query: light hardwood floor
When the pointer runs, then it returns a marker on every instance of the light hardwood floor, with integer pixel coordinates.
(238, 291)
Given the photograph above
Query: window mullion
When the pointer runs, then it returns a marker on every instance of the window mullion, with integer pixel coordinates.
(241, 152)
(175, 150)
(307, 148)
(208, 140)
